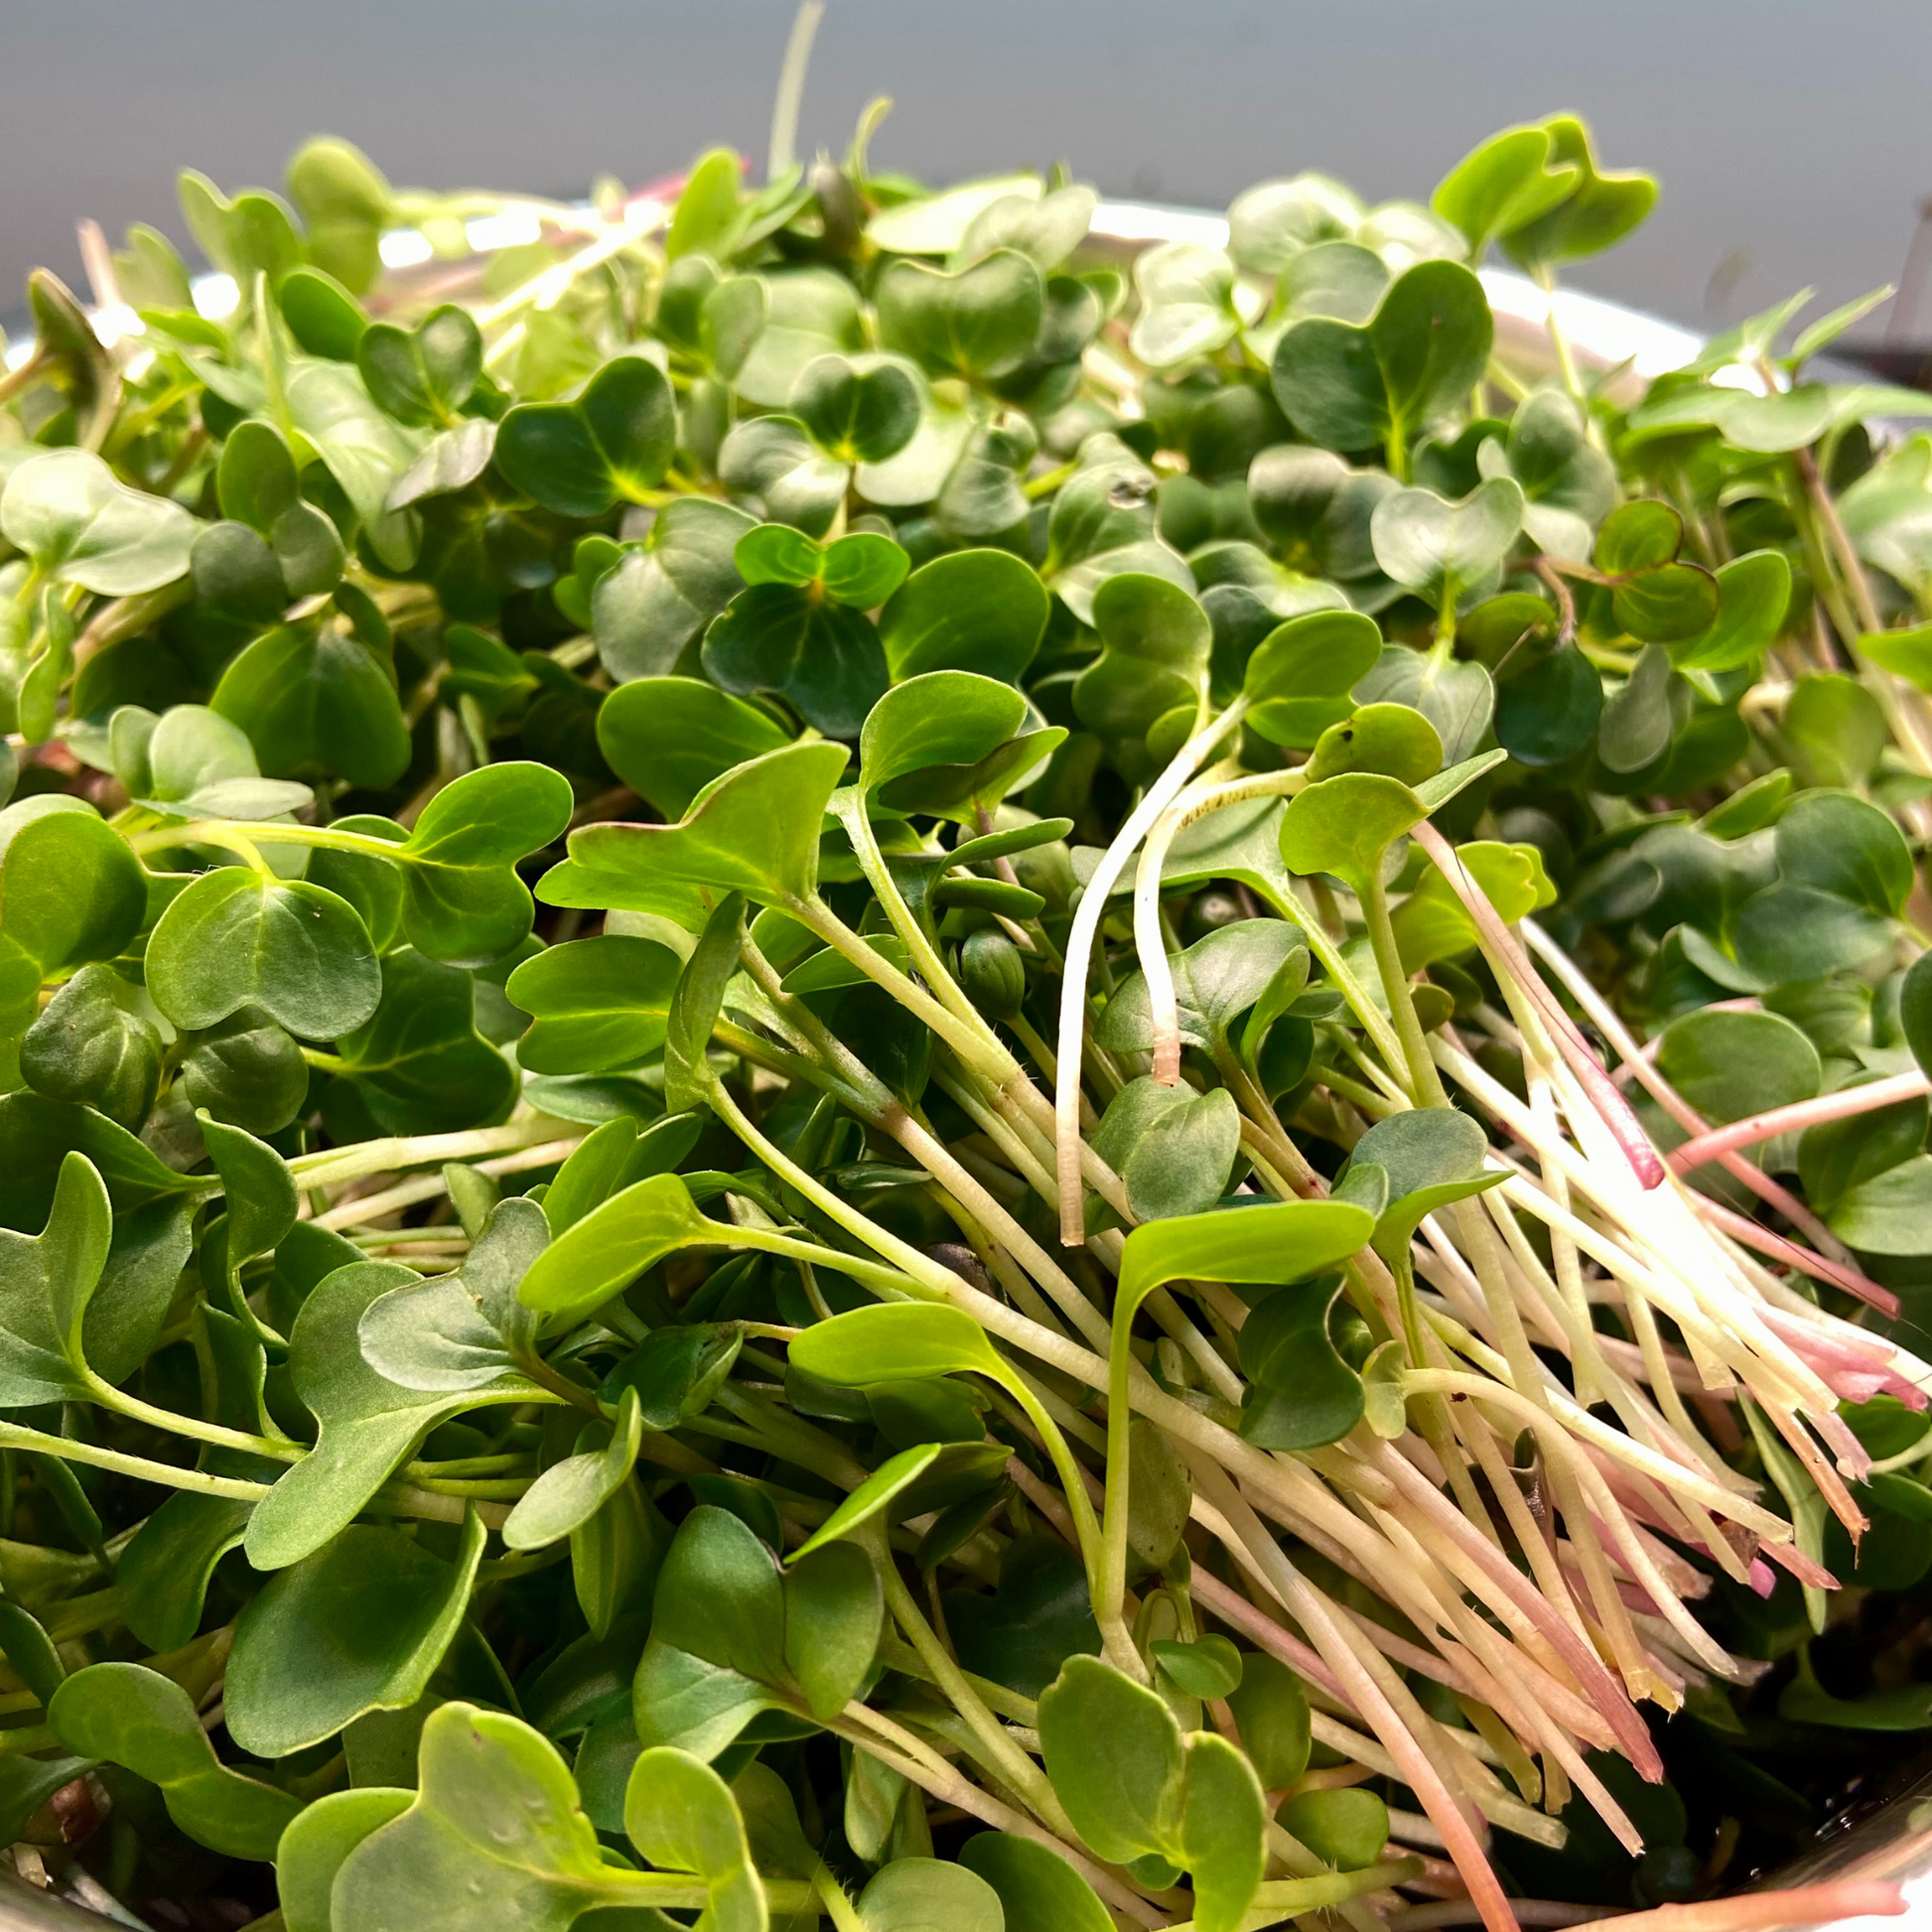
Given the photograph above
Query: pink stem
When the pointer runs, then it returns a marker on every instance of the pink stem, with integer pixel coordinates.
(1595, 1682)
(1754, 1127)
(1604, 1093)
(1232, 1608)
(1640, 1062)
(1751, 1235)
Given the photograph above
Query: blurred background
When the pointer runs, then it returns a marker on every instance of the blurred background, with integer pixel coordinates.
(1791, 137)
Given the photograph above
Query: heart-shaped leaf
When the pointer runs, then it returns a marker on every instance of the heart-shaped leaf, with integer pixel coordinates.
(822, 655)
(753, 830)
(235, 938)
(1365, 386)
(855, 410)
(979, 610)
(612, 445)
(975, 322)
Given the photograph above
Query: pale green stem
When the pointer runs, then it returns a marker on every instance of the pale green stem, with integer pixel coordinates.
(850, 806)
(1079, 952)
(1424, 1082)
(972, 1044)
(1014, 1765)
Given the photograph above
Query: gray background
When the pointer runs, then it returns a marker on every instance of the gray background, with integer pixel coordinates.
(1792, 137)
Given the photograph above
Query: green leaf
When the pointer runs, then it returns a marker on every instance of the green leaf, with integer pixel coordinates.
(913, 1895)
(360, 1625)
(1039, 1890)
(1301, 673)
(1344, 824)
(822, 657)
(317, 1842)
(669, 737)
(811, 312)
(1597, 214)
(80, 526)
(1188, 310)
(1433, 923)
(1222, 1820)
(1134, 1787)
(612, 445)
(1343, 1829)
(168, 1567)
(895, 1341)
(584, 1267)
(1154, 645)
(595, 1003)
(1569, 485)
(978, 611)
(366, 452)
(1844, 873)
(1272, 1710)
(1753, 591)
(772, 464)
(236, 939)
(1805, 1701)
(720, 1598)
(937, 224)
(879, 1490)
(465, 1331)
(1392, 738)
(1211, 1667)
(569, 1493)
(1446, 552)
(322, 317)
(1040, 1615)
(974, 323)
(134, 1717)
(680, 1816)
(71, 891)
(317, 702)
(1171, 1147)
(859, 411)
(497, 1816)
(422, 375)
(1428, 1158)
(1905, 653)
(1503, 185)
(1357, 387)
(45, 1283)
(1890, 1213)
(1836, 730)
(755, 829)
(463, 903)
(256, 481)
(659, 598)
(418, 1064)
(92, 1043)
(1302, 1395)
(1455, 696)
(368, 1422)
(943, 718)
(1216, 980)
(835, 1609)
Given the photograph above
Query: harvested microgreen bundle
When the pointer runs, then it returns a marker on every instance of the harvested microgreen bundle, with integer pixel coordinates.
(1188, 1196)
